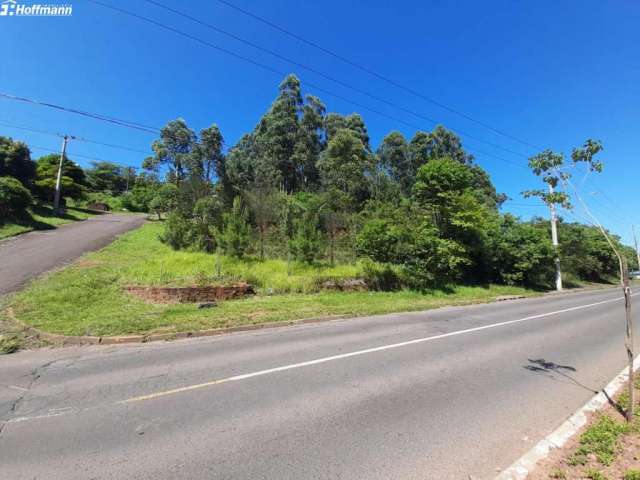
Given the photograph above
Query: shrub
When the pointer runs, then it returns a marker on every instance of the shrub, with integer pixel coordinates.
(234, 237)
(9, 344)
(305, 244)
(176, 232)
(383, 277)
(14, 197)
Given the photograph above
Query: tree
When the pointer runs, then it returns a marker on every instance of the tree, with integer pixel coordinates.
(344, 165)
(15, 161)
(234, 237)
(175, 151)
(107, 177)
(309, 144)
(305, 244)
(277, 134)
(393, 155)
(264, 202)
(210, 153)
(14, 197)
(165, 200)
(73, 177)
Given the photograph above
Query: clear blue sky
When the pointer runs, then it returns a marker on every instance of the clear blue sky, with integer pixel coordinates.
(553, 73)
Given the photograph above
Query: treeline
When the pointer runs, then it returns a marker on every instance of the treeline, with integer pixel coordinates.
(307, 185)
(25, 182)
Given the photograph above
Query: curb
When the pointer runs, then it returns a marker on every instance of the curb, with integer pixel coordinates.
(154, 337)
(63, 340)
(520, 469)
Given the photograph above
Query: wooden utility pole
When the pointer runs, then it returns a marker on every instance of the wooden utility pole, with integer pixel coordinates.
(56, 198)
(554, 240)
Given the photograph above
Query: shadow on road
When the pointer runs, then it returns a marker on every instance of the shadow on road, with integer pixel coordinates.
(554, 370)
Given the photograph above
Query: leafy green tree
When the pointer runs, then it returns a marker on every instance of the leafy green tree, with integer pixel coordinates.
(306, 242)
(309, 144)
(235, 234)
(175, 151)
(73, 178)
(107, 177)
(277, 133)
(14, 197)
(15, 161)
(344, 165)
(522, 253)
(207, 215)
(165, 200)
(265, 204)
(393, 155)
(211, 157)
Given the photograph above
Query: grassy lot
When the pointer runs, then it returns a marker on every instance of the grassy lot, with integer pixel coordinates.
(41, 218)
(87, 297)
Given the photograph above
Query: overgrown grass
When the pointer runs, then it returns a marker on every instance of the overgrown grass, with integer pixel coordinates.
(87, 298)
(40, 217)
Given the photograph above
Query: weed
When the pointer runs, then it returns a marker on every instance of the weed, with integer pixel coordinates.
(594, 474)
(601, 439)
(632, 474)
(9, 344)
(557, 473)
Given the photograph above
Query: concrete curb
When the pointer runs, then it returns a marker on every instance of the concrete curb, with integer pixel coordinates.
(154, 337)
(520, 469)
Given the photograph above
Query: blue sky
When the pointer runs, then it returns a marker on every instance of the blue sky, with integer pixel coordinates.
(552, 73)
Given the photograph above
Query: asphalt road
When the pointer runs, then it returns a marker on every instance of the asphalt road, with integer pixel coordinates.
(433, 395)
(26, 256)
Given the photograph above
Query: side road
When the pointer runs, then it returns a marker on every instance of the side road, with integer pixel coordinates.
(24, 257)
(452, 393)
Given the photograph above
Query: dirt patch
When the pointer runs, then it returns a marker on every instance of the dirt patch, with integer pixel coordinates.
(209, 293)
(561, 462)
(348, 285)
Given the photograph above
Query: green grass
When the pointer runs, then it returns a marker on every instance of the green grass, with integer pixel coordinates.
(87, 298)
(594, 474)
(632, 474)
(40, 218)
(600, 439)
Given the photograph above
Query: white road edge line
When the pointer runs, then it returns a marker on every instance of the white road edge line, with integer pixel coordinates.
(521, 468)
(317, 361)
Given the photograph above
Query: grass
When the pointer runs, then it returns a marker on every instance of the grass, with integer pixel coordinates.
(632, 474)
(601, 440)
(40, 217)
(87, 297)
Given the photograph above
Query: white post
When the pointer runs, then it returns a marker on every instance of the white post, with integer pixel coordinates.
(56, 199)
(554, 240)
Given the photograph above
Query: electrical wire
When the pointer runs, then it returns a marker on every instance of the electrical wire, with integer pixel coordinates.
(281, 73)
(380, 76)
(97, 116)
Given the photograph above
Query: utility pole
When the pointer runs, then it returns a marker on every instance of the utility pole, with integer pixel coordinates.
(56, 199)
(635, 239)
(554, 240)
(629, 338)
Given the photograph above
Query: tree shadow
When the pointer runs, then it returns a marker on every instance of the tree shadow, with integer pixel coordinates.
(554, 370)
(551, 369)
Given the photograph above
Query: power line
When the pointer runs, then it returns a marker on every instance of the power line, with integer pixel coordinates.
(281, 73)
(81, 139)
(322, 74)
(97, 116)
(379, 76)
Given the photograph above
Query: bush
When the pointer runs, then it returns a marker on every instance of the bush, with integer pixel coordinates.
(176, 232)
(14, 197)
(383, 277)
(234, 237)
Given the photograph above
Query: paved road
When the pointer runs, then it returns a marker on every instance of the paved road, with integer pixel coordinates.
(436, 395)
(27, 256)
